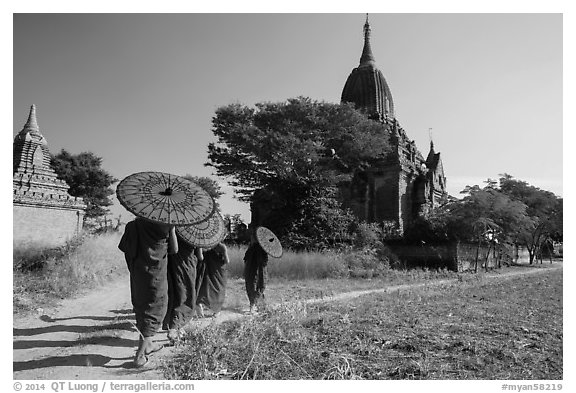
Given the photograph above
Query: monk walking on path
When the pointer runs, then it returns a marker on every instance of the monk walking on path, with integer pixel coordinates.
(146, 246)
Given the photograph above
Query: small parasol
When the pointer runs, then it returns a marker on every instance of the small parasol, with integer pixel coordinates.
(269, 242)
(205, 234)
(165, 198)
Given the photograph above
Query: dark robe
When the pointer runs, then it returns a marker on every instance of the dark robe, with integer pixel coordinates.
(255, 273)
(181, 286)
(145, 247)
(212, 283)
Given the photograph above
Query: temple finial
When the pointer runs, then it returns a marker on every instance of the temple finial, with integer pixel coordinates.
(367, 57)
(32, 123)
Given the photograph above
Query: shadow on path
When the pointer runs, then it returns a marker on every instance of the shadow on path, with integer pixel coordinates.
(88, 360)
(124, 311)
(71, 328)
(47, 318)
(103, 340)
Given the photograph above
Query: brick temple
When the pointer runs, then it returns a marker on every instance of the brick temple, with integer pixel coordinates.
(43, 211)
(406, 184)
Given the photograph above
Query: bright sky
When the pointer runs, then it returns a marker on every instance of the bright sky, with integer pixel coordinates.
(140, 90)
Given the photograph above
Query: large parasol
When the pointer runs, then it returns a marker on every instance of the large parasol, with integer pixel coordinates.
(165, 198)
(269, 242)
(205, 234)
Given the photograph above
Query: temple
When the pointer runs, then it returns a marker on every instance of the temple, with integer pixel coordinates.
(43, 210)
(405, 185)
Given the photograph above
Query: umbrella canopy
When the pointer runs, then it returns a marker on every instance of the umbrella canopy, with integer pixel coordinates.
(205, 234)
(165, 198)
(269, 242)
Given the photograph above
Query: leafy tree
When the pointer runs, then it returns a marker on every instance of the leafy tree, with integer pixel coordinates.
(544, 209)
(485, 216)
(503, 213)
(84, 174)
(319, 220)
(300, 150)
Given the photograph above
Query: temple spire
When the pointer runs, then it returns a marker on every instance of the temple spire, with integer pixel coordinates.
(431, 140)
(32, 124)
(367, 58)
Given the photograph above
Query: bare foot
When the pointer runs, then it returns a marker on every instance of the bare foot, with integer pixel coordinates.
(146, 347)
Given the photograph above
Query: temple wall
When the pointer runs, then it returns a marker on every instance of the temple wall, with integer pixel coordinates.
(387, 201)
(405, 185)
(467, 257)
(455, 256)
(45, 225)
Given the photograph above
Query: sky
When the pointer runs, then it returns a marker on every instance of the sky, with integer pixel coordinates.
(140, 90)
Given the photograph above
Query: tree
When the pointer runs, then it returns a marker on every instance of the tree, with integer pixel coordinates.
(544, 209)
(86, 178)
(484, 216)
(504, 213)
(300, 150)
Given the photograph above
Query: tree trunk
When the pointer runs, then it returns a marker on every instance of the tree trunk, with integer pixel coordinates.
(487, 257)
(477, 255)
(540, 254)
(531, 253)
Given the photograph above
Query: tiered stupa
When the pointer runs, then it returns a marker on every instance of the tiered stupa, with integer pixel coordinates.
(38, 194)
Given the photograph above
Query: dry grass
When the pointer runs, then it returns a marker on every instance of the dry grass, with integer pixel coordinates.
(314, 265)
(292, 265)
(471, 329)
(60, 274)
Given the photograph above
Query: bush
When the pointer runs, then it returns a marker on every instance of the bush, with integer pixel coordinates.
(368, 235)
(365, 263)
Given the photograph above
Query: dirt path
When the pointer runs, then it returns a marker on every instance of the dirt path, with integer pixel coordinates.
(93, 337)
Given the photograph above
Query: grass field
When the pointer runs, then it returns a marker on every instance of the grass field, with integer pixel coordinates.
(474, 328)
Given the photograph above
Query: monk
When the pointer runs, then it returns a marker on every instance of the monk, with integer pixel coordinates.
(212, 284)
(146, 246)
(181, 288)
(255, 272)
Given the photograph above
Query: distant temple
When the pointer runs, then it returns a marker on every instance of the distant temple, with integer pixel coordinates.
(406, 184)
(44, 212)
